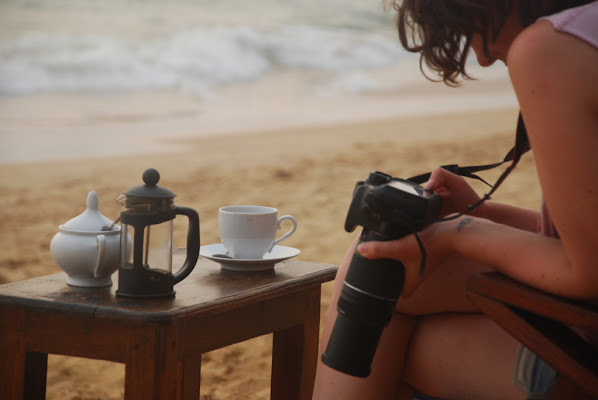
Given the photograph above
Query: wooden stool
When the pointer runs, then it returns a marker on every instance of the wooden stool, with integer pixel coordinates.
(160, 341)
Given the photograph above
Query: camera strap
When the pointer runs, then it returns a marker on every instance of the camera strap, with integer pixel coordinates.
(521, 147)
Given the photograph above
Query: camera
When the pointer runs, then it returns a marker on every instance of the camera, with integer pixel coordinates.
(387, 208)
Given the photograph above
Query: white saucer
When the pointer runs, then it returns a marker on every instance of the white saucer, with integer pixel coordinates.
(278, 254)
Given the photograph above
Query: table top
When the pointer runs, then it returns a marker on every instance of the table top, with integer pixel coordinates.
(208, 289)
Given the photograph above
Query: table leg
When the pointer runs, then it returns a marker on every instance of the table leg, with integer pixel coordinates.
(295, 352)
(36, 371)
(12, 361)
(154, 369)
(148, 370)
(140, 366)
(191, 377)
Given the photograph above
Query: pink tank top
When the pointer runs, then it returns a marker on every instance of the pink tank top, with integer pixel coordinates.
(581, 22)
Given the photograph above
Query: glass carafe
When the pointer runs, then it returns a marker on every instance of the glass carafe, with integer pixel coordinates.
(146, 217)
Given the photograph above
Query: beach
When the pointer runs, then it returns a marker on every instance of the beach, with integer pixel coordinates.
(306, 171)
(281, 104)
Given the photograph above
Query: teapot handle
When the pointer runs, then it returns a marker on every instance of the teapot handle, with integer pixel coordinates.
(193, 241)
(101, 239)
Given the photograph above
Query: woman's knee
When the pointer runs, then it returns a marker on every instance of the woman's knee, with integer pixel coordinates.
(444, 290)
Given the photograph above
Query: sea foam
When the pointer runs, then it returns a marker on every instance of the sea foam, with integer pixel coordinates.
(193, 60)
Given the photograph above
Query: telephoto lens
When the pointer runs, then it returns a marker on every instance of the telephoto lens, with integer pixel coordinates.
(368, 298)
(388, 209)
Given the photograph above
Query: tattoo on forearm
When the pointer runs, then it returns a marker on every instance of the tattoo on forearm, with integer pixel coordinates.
(463, 223)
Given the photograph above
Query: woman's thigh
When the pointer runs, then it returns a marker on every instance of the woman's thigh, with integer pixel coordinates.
(461, 356)
(444, 290)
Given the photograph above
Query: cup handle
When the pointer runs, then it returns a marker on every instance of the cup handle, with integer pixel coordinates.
(101, 239)
(286, 235)
(192, 243)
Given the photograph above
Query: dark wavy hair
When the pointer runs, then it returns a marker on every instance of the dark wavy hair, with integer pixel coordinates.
(441, 30)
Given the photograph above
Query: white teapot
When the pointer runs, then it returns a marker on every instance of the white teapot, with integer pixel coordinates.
(87, 247)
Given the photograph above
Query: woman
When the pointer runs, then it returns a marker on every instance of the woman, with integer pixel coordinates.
(436, 343)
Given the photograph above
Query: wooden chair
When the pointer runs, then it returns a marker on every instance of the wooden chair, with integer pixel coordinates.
(543, 322)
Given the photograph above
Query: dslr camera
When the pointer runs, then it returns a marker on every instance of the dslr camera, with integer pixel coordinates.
(387, 208)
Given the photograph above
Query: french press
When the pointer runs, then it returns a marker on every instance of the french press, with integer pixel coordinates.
(147, 214)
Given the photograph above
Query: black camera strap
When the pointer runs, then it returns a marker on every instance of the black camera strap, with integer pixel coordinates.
(521, 147)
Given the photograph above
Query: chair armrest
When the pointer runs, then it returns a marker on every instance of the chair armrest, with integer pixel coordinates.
(499, 287)
(542, 322)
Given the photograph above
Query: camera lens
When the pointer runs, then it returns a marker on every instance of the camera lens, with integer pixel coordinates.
(352, 353)
(365, 306)
(387, 208)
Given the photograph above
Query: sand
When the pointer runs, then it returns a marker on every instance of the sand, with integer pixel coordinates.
(308, 172)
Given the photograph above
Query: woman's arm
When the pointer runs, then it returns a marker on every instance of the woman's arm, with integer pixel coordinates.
(528, 257)
(517, 217)
(556, 81)
(555, 78)
(457, 195)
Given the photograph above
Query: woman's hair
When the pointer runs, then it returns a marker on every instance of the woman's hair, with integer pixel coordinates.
(441, 30)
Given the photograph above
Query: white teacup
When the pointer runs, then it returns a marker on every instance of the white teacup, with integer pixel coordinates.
(249, 232)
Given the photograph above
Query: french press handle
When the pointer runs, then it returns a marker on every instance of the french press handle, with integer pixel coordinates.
(192, 243)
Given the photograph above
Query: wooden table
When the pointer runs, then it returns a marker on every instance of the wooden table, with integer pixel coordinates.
(160, 341)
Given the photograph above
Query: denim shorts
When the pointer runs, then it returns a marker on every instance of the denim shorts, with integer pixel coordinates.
(532, 375)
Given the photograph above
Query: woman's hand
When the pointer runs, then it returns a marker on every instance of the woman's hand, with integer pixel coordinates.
(438, 240)
(456, 193)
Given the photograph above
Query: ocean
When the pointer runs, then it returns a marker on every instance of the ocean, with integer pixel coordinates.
(82, 78)
(192, 46)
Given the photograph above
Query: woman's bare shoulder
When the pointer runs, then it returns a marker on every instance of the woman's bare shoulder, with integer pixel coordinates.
(541, 57)
(554, 77)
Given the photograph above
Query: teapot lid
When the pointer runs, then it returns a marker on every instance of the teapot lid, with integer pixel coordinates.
(91, 219)
(151, 177)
